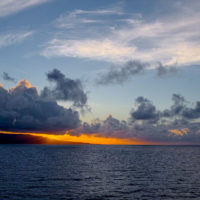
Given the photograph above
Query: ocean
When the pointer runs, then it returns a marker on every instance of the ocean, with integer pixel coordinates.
(98, 172)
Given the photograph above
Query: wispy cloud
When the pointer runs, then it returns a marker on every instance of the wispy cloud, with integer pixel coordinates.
(13, 38)
(78, 17)
(168, 39)
(8, 7)
(119, 74)
(90, 49)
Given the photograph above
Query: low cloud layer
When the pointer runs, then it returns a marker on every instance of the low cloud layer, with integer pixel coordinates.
(24, 109)
(177, 125)
(125, 72)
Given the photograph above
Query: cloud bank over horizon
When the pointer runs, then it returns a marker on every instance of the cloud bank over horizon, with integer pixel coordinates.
(23, 109)
(179, 124)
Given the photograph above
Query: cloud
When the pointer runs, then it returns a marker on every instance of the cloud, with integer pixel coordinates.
(24, 110)
(181, 132)
(165, 70)
(123, 73)
(65, 89)
(192, 113)
(168, 39)
(8, 7)
(145, 110)
(13, 38)
(120, 75)
(147, 123)
(110, 127)
(7, 77)
(88, 49)
(79, 17)
(180, 109)
(171, 124)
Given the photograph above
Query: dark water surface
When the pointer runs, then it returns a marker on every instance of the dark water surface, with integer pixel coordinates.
(99, 172)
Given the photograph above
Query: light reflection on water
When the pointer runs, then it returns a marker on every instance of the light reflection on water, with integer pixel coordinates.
(99, 172)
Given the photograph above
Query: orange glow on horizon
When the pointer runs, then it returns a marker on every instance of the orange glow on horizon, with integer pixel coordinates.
(93, 139)
(87, 139)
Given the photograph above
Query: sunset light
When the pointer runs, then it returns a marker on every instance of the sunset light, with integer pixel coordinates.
(99, 99)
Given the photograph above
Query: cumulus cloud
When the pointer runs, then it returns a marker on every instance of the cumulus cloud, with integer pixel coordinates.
(178, 123)
(24, 110)
(110, 127)
(192, 113)
(7, 77)
(147, 123)
(145, 110)
(65, 89)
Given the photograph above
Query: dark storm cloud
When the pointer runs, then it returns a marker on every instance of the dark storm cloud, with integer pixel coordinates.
(192, 113)
(177, 125)
(145, 110)
(65, 89)
(110, 127)
(7, 77)
(181, 110)
(119, 75)
(23, 109)
(178, 105)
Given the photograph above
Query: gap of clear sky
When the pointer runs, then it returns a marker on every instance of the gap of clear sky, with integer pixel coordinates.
(119, 50)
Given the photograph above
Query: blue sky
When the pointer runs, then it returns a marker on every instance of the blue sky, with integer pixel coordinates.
(84, 39)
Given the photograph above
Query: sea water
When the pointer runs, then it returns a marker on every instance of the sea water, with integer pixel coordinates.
(99, 172)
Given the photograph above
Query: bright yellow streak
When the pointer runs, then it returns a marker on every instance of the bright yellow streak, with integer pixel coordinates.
(84, 138)
(92, 139)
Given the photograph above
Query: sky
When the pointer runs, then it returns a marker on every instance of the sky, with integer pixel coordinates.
(118, 72)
